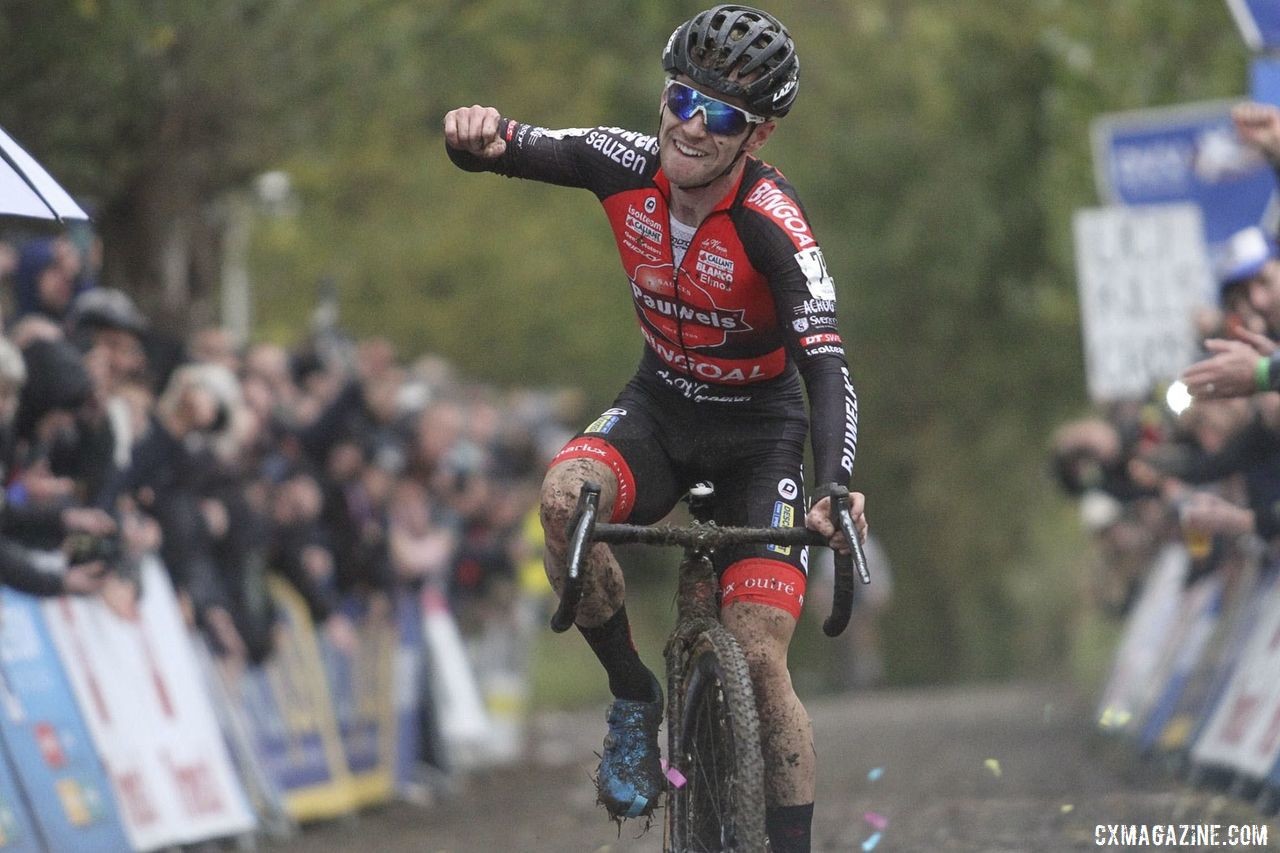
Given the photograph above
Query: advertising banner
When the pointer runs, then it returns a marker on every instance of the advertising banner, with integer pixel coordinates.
(264, 796)
(18, 832)
(150, 716)
(1244, 730)
(290, 713)
(46, 737)
(1198, 617)
(363, 694)
(1188, 154)
(1205, 684)
(1151, 622)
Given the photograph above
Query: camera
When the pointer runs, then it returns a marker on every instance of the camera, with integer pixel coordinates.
(85, 548)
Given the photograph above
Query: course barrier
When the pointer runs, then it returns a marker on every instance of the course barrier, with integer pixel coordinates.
(1196, 675)
(128, 734)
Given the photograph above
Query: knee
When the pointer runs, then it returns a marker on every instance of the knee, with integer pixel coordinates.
(557, 505)
(559, 498)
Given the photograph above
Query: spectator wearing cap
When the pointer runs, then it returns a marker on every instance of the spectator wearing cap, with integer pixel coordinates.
(1247, 266)
(107, 327)
(1248, 274)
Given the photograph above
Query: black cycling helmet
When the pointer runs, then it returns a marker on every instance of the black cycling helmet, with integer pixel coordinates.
(727, 42)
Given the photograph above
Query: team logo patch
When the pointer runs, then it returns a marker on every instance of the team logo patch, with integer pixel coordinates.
(650, 204)
(800, 325)
(788, 489)
(693, 318)
(607, 421)
(814, 267)
(602, 425)
(784, 515)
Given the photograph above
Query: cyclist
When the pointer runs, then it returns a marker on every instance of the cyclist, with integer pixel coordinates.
(736, 307)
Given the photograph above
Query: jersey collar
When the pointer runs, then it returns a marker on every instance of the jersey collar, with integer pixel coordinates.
(664, 186)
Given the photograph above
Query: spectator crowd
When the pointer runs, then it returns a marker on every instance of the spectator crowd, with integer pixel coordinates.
(333, 465)
(1199, 461)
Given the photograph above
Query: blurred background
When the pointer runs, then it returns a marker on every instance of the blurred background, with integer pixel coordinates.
(241, 160)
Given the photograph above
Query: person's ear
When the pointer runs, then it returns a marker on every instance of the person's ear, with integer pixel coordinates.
(760, 134)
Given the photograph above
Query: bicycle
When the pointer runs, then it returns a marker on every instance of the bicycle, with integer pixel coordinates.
(716, 770)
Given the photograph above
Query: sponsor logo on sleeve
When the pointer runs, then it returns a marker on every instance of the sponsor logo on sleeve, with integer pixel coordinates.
(768, 199)
(624, 147)
(824, 338)
(800, 325)
(850, 447)
(816, 306)
(539, 132)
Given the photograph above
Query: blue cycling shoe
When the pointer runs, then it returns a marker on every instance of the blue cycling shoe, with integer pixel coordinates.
(630, 777)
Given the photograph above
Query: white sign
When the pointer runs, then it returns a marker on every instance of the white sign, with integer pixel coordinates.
(1141, 274)
(1153, 621)
(152, 721)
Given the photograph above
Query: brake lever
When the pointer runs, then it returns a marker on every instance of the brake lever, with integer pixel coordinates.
(580, 529)
(845, 564)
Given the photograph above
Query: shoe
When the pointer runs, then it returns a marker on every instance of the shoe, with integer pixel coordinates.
(630, 776)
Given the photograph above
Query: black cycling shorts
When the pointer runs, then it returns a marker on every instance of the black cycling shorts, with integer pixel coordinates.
(659, 444)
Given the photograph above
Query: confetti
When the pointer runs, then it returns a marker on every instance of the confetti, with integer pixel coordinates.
(994, 766)
(1067, 808)
(870, 843)
(1113, 718)
(877, 821)
(876, 773)
(674, 776)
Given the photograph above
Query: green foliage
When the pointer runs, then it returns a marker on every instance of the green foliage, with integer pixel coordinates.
(940, 147)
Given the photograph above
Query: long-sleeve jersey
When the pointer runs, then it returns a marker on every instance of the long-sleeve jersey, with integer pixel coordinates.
(746, 305)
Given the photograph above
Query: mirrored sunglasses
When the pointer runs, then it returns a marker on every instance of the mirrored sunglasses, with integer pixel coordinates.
(720, 118)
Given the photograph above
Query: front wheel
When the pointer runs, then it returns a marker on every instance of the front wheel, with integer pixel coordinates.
(715, 744)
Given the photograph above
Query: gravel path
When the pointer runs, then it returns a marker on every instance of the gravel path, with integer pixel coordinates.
(974, 768)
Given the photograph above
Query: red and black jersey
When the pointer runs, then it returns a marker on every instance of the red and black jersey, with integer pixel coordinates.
(749, 304)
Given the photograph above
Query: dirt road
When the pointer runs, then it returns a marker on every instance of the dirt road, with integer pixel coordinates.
(990, 769)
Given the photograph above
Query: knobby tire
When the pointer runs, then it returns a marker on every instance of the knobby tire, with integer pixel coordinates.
(714, 735)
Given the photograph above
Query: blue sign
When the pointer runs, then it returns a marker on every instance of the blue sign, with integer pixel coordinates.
(1259, 22)
(408, 681)
(1189, 153)
(17, 827)
(47, 739)
(1264, 79)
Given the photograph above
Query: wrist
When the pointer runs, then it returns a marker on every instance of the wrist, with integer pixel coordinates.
(1273, 371)
(827, 490)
